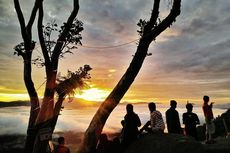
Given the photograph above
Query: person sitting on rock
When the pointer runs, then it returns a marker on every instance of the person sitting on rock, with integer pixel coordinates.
(156, 122)
(131, 124)
(61, 148)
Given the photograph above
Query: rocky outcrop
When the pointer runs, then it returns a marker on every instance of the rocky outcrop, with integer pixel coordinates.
(165, 143)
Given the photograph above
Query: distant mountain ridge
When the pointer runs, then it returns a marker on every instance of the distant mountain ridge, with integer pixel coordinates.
(14, 104)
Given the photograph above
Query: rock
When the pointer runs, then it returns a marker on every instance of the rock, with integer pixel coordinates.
(165, 143)
(222, 145)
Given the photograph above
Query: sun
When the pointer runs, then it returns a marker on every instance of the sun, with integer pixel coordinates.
(93, 94)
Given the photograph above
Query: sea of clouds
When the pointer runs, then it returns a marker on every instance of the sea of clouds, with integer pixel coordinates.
(14, 120)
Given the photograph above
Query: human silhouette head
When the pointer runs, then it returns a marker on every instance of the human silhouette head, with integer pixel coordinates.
(129, 108)
(206, 99)
(173, 104)
(189, 107)
(61, 140)
(152, 106)
(103, 138)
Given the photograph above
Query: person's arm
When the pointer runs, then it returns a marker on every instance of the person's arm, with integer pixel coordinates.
(205, 111)
(211, 104)
(145, 126)
(138, 121)
(183, 118)
(178, 118)
(167, 117)
(197, 120)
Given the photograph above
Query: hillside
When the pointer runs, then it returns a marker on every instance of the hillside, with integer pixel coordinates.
(14, 104)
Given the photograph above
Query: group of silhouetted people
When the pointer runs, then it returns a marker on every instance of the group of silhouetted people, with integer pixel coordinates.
(156, 123)
(190, 120)
(131, 123)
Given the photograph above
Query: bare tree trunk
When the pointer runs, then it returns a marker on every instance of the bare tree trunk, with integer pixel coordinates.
(150, 32)
(42, 120)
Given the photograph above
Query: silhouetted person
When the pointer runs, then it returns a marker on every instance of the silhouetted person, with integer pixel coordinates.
(156, 122)
(131, 124)
(61, 148)
(190, 120)
(104, 145)
(172, 118)
(208, 114)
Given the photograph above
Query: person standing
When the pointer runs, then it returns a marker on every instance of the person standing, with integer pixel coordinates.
(156, 122)
(131, 124)
(190, 120)
(172, 118)
(208, 114)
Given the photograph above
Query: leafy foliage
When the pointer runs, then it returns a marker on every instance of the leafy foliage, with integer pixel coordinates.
(73, 37)
(50, 30)
(20, 48)
(66, 85)
(141, 24)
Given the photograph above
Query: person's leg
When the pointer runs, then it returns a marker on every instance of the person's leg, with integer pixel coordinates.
(209, 136)
(207, 133)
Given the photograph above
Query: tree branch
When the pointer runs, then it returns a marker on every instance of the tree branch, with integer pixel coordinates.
(97, 123)
(58, 105)
(20, 19)
(41, 37)
(152, 22)
(30, 89)
(61, 39)
(167, 22)
(27, 55)
(27, 64)
(33, 14)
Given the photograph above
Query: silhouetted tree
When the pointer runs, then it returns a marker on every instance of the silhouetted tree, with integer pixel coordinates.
(44, 114)
(149, 30)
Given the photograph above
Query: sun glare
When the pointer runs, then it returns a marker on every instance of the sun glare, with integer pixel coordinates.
(13, 97)
(93, 94)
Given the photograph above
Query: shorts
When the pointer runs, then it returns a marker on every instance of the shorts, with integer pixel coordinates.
(210, 127)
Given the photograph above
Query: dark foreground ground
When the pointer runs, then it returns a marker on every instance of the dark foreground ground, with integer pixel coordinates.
(166, 143)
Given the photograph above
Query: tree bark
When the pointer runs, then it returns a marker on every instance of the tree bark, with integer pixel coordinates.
(151, 31)
(45, 117)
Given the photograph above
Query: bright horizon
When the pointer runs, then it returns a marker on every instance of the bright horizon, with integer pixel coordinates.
(189, 60)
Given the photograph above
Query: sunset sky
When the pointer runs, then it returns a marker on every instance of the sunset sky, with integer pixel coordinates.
(189, 60)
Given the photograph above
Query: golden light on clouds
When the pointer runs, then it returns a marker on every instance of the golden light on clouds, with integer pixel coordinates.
(13, 97)
(169, 33)
(112, 70)
(93, 94)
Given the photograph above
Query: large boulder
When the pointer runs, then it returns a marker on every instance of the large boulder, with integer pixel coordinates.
(165, 143)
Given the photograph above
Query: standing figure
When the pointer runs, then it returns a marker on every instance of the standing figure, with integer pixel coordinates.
(208, 114)
(156, 121)
(190, 120)
(131, 124)
(172, 118)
